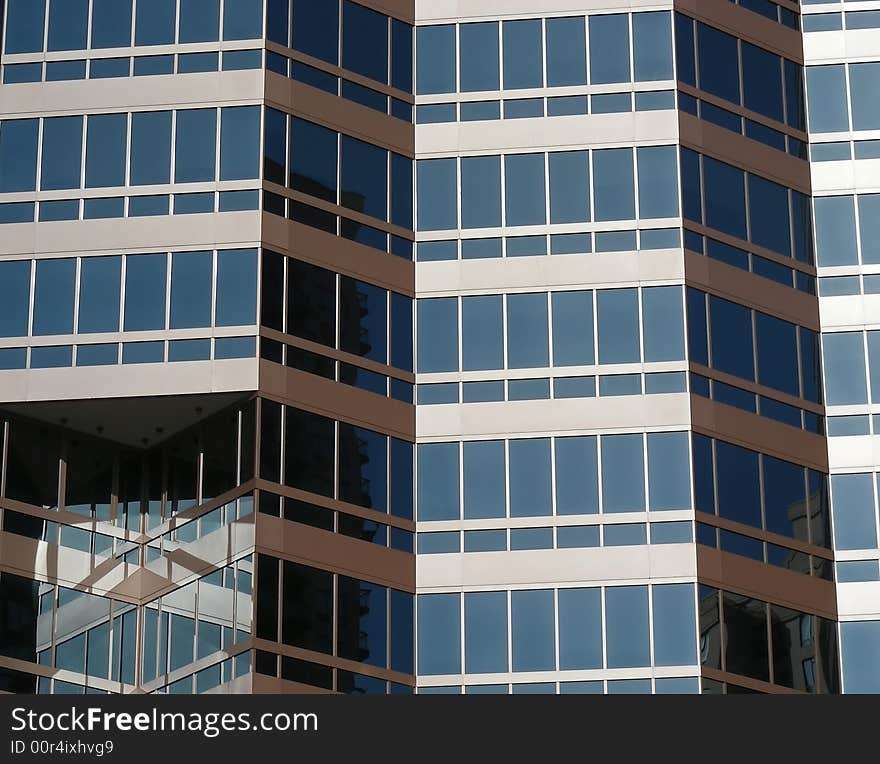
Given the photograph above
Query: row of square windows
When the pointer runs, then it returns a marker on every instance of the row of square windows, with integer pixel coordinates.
(129, 149)
(498, 632)
(536, 189)
(144, 66)
(100, 24)
(131, 293)
(631, 326)
(622, 48)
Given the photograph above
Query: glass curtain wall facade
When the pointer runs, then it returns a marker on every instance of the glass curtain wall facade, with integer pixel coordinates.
(386, 347)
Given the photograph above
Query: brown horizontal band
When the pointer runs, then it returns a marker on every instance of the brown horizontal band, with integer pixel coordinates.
(339, 114)
(287, 237)
(758, 433)
(338, 355)
(336, 400)
(778, 586)
(744, 681)
(731, 283)
(335, 553)
(744, 153)
(758, 533)
(332, 661)
(335, 505)
(747, 25)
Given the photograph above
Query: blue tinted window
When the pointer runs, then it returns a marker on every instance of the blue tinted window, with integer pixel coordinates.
(485, 625)
(99, 294)
(53, 296)
(482, 333)
(17, 73)
(566, 52)
(316, 29)
(437, 194)
(150, 148)
(609, 49)
(669, 480)
(438, 335)
(527, 331)
(826, 89)
(663, 323)
(364, 177)
(658, 181)
(278, 20)
(613, 184)
(481, 192)
(25, 22)
(532, 630)
(864, 80)
(626, 626)
(718, 63)
(835, 231)
(111, 23)
(364, 41)
(530, 477)
(573, 328)
(652, 46)
(155, 21)
(313, 159)
(852, 506)
(777, 353)
(435, 59)
(768, 215)
(145, 292)
(18, 155)
(438, 472)
(52, 357)
(675, 639)
(484, 479)
(189, 350)
(191, 275)
(762, 81)
(68, 24)
(739, 495)
(236, 287)
(401, 55)
(15, 289)
(725, 197)
(523, 54)
(240, 143)
(242, 19)
(623, 469)
(439, 634)
(97, 355)
(569, 186)
(199, 20)
(401, 191)
(195, 147)
(844, 365)
(577, 481)
(524, 187)
(731, 339)
(105, 150)
(618, 316)
(869, 228)
(62, 153)
(580, 629)
(861, 668)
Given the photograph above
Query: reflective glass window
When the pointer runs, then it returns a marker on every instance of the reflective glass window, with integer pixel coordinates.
(438, 476)
(852, 507)
(580, 628)
(438, 335)
(658, 180)
(663, 323)
(364, 41)
(626, 626)
(826, 90)
(777, 353)
(569, 186)
(858, 645)
(195, 147)
(613, 184)
(835, 231)
(484, 480)
(68, 24)
(532, 630)
(99, 294)
(199, 21)
(53, 296)
(623, 470)
(577, 476)
(485, 625)
(669, 482)
(527, 331)
(18, 155)
(313, 159)
(482, 333)
(191, 279)
(618, 317)
(150, 148)
(731, 338)
(768, 215)
(524, 186)
(15, 288)
(844, 364)
(609, 48)
(478, 67)
(566, 52)
(155, 22)
(439, 634)
(435, 59)
(105, 150)
(62, 153)
(785, 498)
(242, 19)
(523, 54)
(364, 177)
(530, 477)
(437, 194)
(25, 25)
(572, 328)
(481, 192)
(145, 292)
(718, 63)
(652, 46)
(675, 640)
(739, 493)
(762, 81)
(240, 143)
(864, 81)
(316, 29)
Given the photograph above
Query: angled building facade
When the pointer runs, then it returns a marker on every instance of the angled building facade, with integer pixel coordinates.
(405, 346)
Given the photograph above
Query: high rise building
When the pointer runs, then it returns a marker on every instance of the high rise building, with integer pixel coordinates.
(425, 346)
